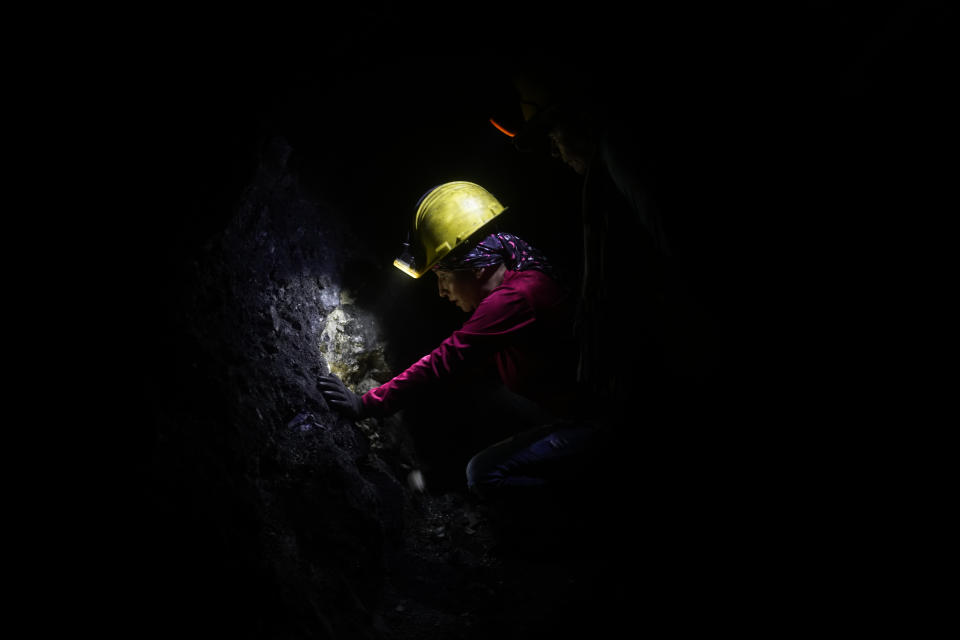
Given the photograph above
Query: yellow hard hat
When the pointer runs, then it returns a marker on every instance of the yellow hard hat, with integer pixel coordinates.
(447, 216)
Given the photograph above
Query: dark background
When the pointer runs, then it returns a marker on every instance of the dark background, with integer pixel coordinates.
(801, 144)
(797, 144)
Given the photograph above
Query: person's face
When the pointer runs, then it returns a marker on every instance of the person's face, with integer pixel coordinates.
(462, 287)
(571, 149)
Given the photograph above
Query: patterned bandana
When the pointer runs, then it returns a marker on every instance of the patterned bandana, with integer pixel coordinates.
(497, 248)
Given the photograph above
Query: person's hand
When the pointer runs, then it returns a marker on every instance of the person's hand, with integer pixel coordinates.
(340, 397)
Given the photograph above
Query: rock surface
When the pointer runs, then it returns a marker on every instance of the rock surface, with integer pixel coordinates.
(274, 517)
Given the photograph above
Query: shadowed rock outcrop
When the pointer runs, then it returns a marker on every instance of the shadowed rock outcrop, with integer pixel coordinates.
(273, 514)
(270, 516)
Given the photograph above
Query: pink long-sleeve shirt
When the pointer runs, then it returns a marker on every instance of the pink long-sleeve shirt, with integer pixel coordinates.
(524, 324)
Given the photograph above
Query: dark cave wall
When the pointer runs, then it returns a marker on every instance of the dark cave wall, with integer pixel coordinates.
(260, 525)
(272, 514)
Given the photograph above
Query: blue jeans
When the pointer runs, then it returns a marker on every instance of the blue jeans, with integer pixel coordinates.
(546, 455)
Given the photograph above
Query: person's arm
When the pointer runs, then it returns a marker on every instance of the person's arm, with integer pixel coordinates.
(493, 326)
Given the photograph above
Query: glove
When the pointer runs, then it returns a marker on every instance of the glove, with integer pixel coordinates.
(340, 397)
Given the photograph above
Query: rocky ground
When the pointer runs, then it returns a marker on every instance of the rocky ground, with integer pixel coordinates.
(465, 572)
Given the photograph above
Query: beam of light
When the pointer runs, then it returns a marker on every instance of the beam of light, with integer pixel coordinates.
(501, 128)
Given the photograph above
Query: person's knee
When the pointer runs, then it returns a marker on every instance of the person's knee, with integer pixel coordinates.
(474, 472)
(480, 476)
